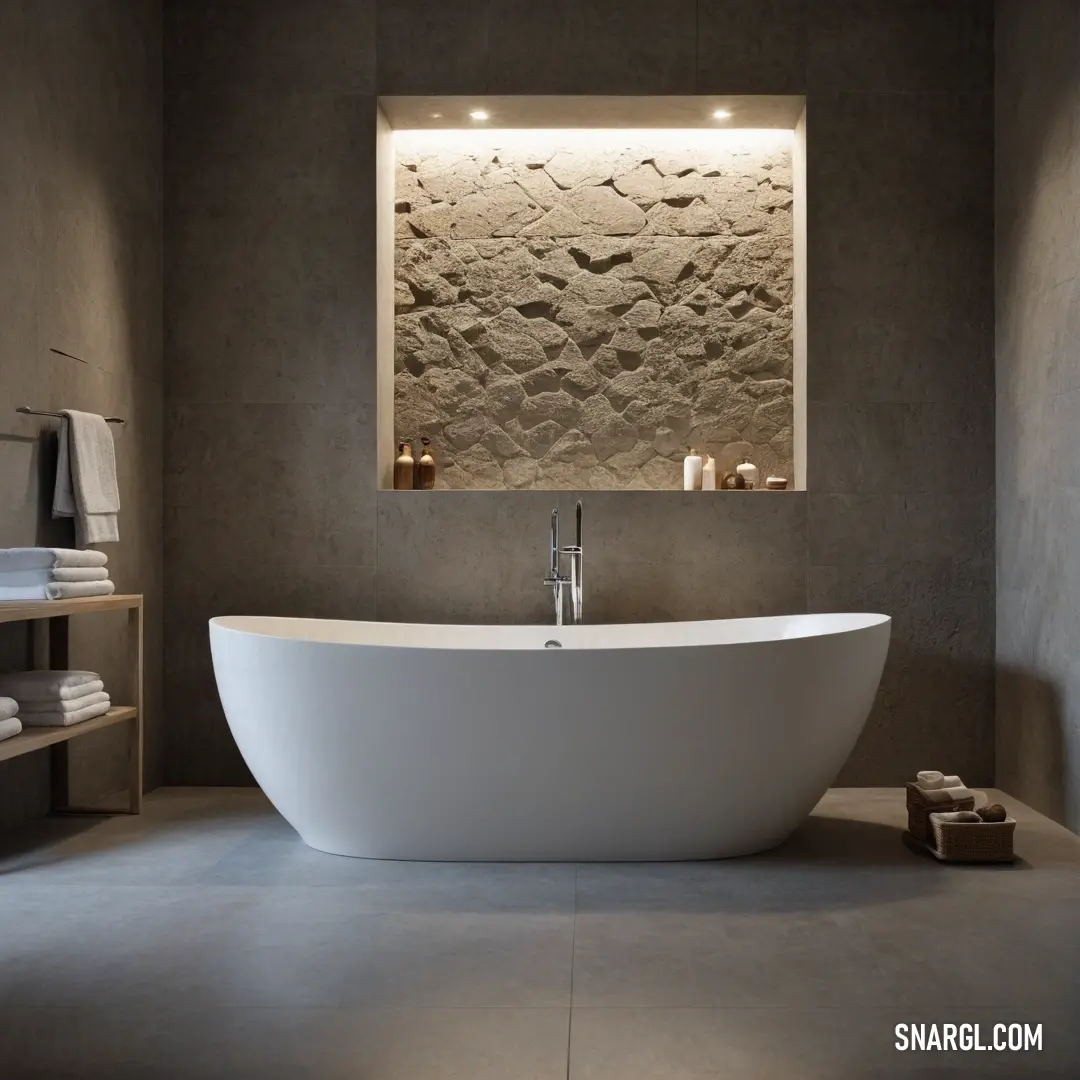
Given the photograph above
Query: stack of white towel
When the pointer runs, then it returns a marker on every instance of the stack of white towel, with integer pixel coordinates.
(55, 698)
(939, 788)
(10, 724)
(53, 574)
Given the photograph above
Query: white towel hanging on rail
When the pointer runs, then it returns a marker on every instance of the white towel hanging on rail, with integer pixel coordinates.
(86, 478)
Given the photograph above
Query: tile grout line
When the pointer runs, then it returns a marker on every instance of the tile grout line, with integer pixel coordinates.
(570, 1011)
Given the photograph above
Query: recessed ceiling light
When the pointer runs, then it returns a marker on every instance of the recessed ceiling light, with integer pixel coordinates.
(721, 114)
(478, 114)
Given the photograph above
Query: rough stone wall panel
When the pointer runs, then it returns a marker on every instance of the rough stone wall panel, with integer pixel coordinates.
(577, 319)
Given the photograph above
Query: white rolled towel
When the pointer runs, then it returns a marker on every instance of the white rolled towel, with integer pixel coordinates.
(930, 779)
(49, 685)
(8, 708)
(69, 705)
(64, 719)
(10, 727)
(948, 795)
(48, 558)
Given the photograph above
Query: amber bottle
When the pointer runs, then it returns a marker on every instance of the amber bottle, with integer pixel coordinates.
(425, 467)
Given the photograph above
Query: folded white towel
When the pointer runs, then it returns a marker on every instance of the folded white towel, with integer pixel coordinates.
(930, 779)
(48, 589)
(36, 558)
(49, 685)
(967, 817)
(40, 577)
(72, 590)
(80, 573)
(952, 781)
(8, 707)
(948, 795)
(10, 727)
(57, 590)
(64, 705)
(63, 719)
(86, 478)
(23, 592)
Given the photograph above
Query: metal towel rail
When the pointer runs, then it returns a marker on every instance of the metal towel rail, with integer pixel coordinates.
(60, 416)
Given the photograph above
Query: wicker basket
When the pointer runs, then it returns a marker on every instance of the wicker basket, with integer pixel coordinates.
(969, 841)
(919, 809)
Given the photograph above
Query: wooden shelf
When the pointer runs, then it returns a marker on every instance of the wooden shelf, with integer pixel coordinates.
(37, 738)
(25, 610)
(48, 641)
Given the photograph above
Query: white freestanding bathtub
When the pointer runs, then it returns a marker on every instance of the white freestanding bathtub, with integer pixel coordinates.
(651, 741)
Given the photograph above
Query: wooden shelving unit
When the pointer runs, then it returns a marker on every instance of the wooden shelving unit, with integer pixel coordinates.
(50, 650)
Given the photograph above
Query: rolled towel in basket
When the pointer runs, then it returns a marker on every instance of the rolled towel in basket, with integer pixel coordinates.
(64, 719)
(930, 779)
(10, 727)
(69, 705)
(964, 817)
(8, 708)
(49, 685)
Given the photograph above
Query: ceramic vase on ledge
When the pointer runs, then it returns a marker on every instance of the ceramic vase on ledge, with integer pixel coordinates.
(403, 468)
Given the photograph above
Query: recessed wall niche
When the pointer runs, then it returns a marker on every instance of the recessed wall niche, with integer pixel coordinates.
(574, 307)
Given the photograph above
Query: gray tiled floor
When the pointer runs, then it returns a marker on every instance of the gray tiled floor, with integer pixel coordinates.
(205, 940)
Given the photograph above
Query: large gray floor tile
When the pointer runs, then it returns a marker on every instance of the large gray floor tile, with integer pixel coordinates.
(980, 948)
(222, 946)
(707, 959)
(745, 887)
(119, 852)
(181, 834)
(273, 857)
(207, 1044)
(805, 1043)
(271, 947)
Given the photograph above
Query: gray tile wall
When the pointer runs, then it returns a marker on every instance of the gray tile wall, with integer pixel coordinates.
(271, 332)
(80, 271)
(900, 394)
(1038, 405)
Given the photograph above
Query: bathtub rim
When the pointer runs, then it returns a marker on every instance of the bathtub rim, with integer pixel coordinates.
(455, 637)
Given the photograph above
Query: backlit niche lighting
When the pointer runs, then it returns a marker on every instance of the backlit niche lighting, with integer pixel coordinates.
(576, 308)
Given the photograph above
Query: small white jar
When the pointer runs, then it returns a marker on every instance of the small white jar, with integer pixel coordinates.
(749, 472)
